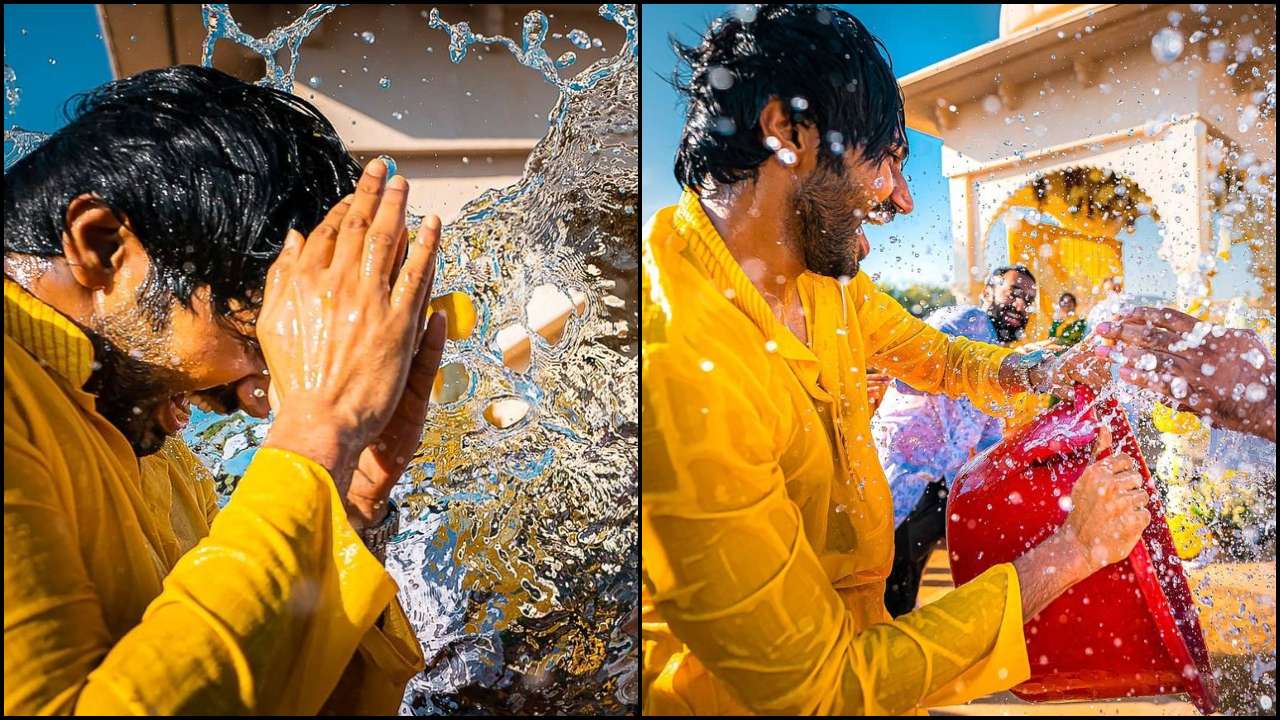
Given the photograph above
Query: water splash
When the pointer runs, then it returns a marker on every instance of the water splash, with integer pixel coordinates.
(517, 557)
(221, 25)
(17, 142)
(530, 53)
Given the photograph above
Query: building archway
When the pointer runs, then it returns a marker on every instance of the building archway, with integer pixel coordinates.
(1065, 226)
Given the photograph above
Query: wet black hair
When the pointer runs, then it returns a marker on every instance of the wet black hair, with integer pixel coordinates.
(1066, 295)
(820, 61)
(999, 273)
(210, 172)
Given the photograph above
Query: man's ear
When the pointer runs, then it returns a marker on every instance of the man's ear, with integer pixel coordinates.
(794, 146)
(93, 243)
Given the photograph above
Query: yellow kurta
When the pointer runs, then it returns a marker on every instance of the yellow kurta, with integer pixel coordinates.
(766, 518)
(123, 594)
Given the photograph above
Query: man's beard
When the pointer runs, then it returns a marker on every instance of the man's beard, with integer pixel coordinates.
(825, 221)
(1005, 332)
(129, 389)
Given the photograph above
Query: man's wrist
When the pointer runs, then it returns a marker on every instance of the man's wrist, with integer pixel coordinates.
(325, 444)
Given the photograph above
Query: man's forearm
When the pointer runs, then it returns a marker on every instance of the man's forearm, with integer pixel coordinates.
(1047, 570)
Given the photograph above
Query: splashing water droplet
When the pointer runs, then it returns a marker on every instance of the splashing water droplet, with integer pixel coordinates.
(580, 39)
(314, 81)
(384, 83)
(390, 163)
(720, 78)
(1166, 45)
(367, 37)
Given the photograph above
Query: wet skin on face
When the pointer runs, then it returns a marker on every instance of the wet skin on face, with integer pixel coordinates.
(829, 207)
(146, 377)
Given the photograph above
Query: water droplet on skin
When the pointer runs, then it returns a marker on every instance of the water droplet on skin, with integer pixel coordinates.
(259, 392)
(1255, 392)
(390, 162)
(133, 38)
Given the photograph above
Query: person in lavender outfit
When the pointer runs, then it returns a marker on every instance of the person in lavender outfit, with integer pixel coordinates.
(923, 440)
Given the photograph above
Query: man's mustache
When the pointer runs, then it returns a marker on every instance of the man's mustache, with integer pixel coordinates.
(883, 213)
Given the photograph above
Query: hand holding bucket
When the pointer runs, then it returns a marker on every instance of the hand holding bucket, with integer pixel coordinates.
(1131, 627)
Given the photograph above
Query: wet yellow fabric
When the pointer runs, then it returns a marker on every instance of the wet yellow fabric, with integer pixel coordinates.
(126, 591)
(766, 518)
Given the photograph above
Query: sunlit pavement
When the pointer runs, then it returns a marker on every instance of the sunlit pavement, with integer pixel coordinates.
(1253, 584)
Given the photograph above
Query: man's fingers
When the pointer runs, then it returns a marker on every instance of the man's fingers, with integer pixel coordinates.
(383, 239)
(355, 226)
(318, 250)
(1143, 334)
(413, 286)
(1146, 360)
(432, 348)
(1102, 443)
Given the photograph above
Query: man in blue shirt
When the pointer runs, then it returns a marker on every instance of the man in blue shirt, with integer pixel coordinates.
(923, 440)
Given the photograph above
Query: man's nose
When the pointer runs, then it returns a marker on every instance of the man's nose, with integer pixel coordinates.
(901, 196)
(251, 391)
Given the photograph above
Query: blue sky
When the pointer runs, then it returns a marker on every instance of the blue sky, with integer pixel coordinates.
(68, 34)
(916, 247)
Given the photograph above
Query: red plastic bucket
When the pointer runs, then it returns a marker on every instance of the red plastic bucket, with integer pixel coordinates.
(1129, 629)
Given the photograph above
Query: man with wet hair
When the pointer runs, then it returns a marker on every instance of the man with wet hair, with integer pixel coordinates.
(923, 439)
(766, 519)
(155, 258)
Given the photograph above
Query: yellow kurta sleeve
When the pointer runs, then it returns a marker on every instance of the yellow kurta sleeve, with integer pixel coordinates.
(922, 356)
(260, 617)
(729, 567)
(388, 655)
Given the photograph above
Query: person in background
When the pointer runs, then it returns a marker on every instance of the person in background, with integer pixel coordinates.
(1067, 328)
(923, 438)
